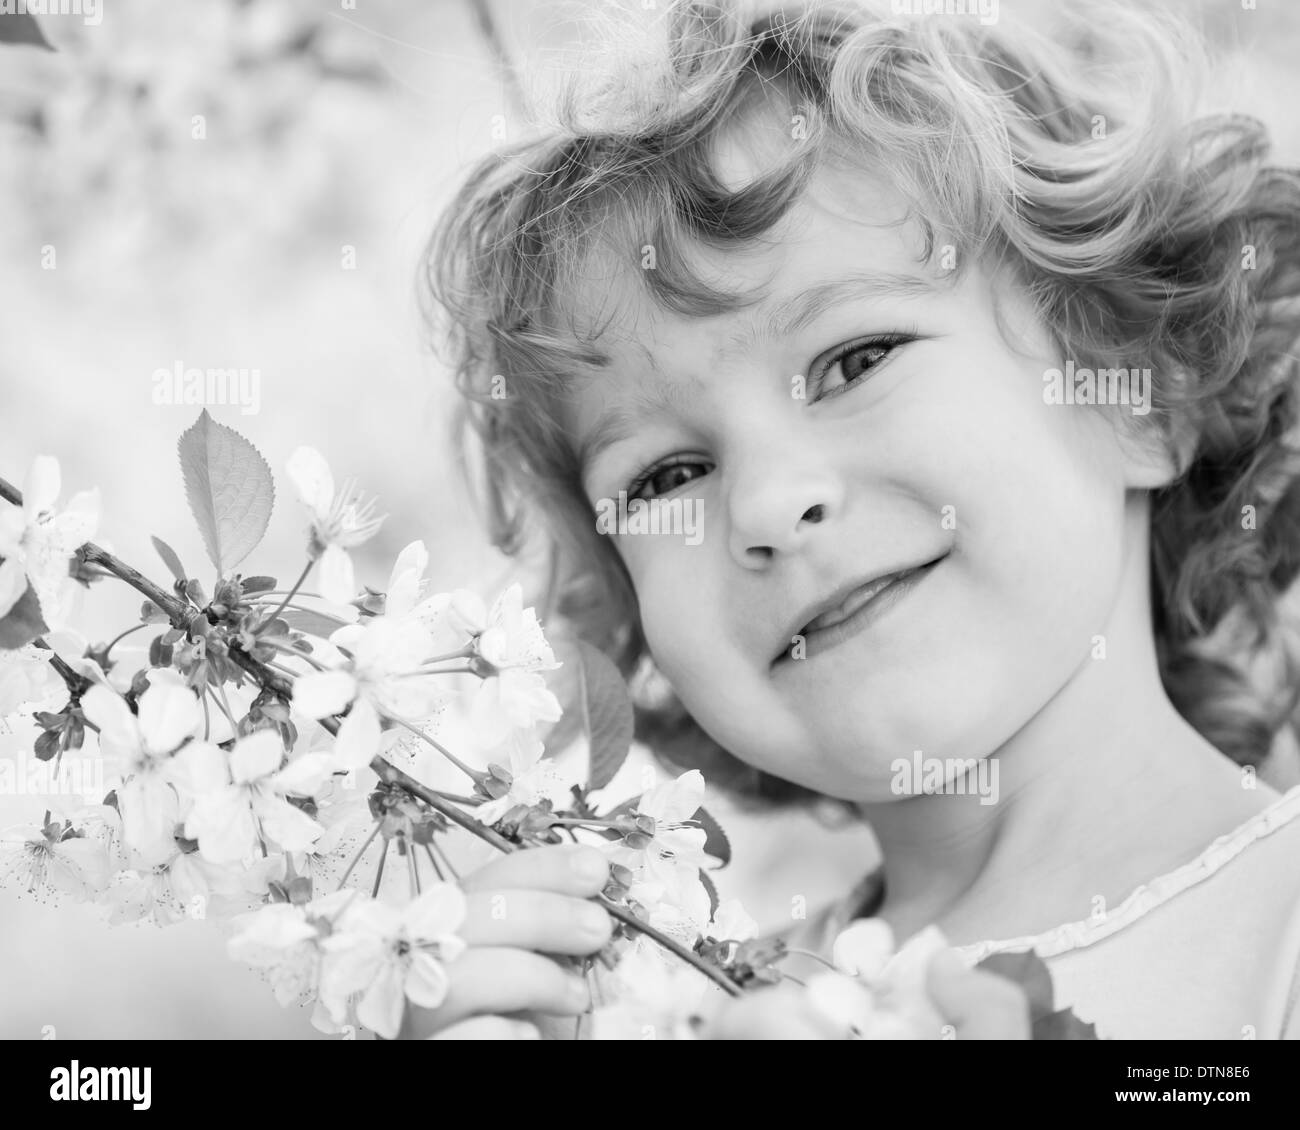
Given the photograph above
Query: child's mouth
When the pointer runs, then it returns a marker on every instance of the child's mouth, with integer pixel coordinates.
(847, 614)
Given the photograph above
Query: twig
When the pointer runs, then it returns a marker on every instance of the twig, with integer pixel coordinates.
(488, 29)
(181, 614)
(379, 874)
(296, 586)
(437, 870)
(357, 858)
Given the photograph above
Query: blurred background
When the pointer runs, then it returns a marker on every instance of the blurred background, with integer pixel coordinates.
(226, 184)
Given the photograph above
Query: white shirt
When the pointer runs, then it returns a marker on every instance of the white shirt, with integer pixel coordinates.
(1210, 950)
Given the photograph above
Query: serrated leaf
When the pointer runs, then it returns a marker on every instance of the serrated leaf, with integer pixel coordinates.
(229, 488)
(712, 891)
(607, 714)
(170, 559)
(311, 623)
(1063, 1025)
(21, 27)
(23, 622)
(1030, 972)
(715, 839)
(566, 684)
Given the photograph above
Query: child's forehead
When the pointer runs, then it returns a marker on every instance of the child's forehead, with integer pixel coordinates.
(847, 224)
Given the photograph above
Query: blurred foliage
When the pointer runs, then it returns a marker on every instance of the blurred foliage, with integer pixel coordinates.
(228, 120)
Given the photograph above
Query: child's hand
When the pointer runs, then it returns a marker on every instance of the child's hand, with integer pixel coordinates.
(520, 908)
(977, 1005)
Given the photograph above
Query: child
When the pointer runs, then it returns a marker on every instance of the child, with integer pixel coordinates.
(973, 352)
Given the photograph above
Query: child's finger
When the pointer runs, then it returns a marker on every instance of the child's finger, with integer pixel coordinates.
(535, 920)
(566, 869)
(492, 979)
(981, 1006)
(489, 1028)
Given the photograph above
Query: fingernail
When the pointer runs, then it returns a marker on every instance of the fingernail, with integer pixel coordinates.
(589, 865)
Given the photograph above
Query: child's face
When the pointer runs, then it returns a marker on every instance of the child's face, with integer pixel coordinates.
(941, 447)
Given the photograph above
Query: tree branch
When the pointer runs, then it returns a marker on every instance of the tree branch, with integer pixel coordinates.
(182, 616)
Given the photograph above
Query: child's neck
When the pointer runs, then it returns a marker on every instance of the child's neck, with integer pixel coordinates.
(1104, 789)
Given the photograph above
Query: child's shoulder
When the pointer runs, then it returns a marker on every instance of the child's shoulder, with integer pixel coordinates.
(1210, 949)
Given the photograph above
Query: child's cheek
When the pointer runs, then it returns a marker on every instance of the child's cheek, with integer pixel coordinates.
(681, 613)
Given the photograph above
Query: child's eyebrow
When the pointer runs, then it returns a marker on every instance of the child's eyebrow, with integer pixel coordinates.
(623, 421)
(793, 314)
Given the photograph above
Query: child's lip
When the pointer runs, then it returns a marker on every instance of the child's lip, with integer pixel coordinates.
(843, 598)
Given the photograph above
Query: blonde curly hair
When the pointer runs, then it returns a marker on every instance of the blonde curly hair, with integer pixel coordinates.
(1139, 229)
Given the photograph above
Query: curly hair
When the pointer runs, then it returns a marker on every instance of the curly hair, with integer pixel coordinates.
(1137, 228)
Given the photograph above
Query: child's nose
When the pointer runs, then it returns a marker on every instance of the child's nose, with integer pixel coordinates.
(777, 504)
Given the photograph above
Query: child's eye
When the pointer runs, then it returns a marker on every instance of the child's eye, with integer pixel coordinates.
(664, 478)
(854, 361)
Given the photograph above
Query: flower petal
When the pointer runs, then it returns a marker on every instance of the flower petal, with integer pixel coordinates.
(41, 486)
(338, 582)
(426, 980)
(118, 731)
(305, 775)
(149, 816)
(864, 948)
(168, 714)
(384, 1002)
(256, 756)
(404, 581)
(199, 768)
(13, 583)
(358, 737)
(77, 522)
(288, 826)
(311, 478)
(223, 824)
(322, 693)
(439, 911)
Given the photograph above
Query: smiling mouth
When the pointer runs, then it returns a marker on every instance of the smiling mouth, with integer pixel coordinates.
(859, 608)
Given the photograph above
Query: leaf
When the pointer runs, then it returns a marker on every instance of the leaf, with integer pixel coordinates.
(23, 622)
(566, 684)
(229, 488)
(715, 842)
(170, 559)
(1030, 972)
(250, 585)
(712, 891)
(1063, 1025)
(21, 27)
(607, 714)
(47, 745)
(312, 623)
